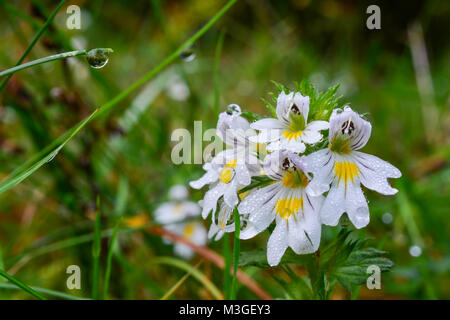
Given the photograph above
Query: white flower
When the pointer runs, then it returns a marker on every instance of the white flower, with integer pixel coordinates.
(296, 213)
(344, 168)
(171, 214)
(224, 223)
(291, 130)
(177, 208)
(193, 231)
(233, 168)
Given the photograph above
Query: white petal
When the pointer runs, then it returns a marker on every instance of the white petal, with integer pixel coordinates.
(190, 208)
(356, 206)
(294, 145)
(208, 178)
(242, 174)
(334, 205)
(284, 102)
(248, 232)
(374, 172)
(269, 123)
(199, 235)
(277, 244)
(178, 192)
(302, 102)
(339, 125)
(318, 125)
(211, 197)
(320, 163)
(305, 229)
(256, 197)
(183, 251)
(230, 196)
(310, 136)
(266, 135)
(260, 206)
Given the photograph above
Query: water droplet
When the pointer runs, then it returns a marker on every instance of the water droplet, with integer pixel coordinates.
(53, 155)
(98, 58)
(415, 251)
(187, 55)
(387, 218)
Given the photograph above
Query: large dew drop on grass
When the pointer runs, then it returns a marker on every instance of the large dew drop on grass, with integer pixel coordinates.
(98, 58)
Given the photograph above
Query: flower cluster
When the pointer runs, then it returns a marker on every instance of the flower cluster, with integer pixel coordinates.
(283, 170)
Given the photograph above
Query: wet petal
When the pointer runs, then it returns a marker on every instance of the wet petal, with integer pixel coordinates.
(305, 230)
(374, 172)
(208, 178)
(320, 163)
(356, 206)
(278, 243)
(211, 197)
(230, 196)
(334, 205)
(269, 123)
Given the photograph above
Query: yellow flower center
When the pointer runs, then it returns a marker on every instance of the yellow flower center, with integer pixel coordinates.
(288, 206)
(295, 179)
(189, 230)
(345, 171)
(227, 173)
(289, 135)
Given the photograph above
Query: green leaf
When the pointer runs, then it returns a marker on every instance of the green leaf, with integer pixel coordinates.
(250, 116)
(258, 258)
(347, 260)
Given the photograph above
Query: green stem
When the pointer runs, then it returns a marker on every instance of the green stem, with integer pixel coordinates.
(112, 242)
(96, 248)
(227, 258)
(36, 38)
(236, 252)
(43, 60)
(21, 285)
(216, 71)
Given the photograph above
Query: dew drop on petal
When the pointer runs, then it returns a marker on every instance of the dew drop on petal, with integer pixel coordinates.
(415, 251)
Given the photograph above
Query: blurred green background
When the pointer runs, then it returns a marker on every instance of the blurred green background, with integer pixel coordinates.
(398, 75)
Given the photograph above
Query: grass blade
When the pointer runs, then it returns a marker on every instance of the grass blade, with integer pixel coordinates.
(36, 38)
(216, 71)
(179, 283)
(112, 243)
(53, 293)
(236, 252)
(21, 285)
(36, 162)
(96, 249)
(195, 273)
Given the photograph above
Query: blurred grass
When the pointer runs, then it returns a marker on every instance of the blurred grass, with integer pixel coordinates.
(125, 157)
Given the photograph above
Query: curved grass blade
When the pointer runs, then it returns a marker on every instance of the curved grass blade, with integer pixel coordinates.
(179, 283)
(53, 293)
(21, 285)
(195, 273)
(49, 152)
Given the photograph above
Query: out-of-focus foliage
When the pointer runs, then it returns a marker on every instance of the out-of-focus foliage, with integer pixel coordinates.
(124, 158)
